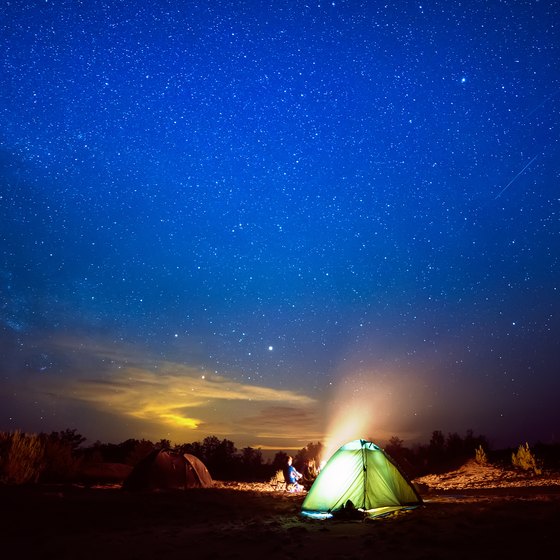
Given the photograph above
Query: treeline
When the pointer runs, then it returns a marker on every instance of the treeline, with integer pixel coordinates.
(221, 457)
(60, 457)
(447, 452)
(440, 454)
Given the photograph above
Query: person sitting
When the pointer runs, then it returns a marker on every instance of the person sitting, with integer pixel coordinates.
(292, 477)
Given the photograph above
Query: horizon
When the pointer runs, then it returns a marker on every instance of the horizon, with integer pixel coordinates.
(268, 453)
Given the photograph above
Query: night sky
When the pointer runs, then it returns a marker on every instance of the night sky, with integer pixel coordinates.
(280, 222)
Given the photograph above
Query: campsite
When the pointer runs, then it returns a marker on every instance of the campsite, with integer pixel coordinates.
(279, 280)
(473, 512)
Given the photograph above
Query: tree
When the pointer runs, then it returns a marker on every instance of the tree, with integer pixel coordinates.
(436, 449)
(311, 452)
(280, 460)
(454, 447)
(395, 448)
(68, 437)
(251, 458)
(251, 465)
(61, 460)
(163, 444)
(219, 457)
(438, 440)
(195, 448)
(134, 450)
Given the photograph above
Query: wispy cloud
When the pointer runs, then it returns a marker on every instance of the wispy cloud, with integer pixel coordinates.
(182, 403)
(115, 392)
(281, 421)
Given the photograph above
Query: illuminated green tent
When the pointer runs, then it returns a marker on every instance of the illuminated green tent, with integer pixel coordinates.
(359, 476)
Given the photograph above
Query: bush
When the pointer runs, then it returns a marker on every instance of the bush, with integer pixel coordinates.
(60, 464)
(21, 457)
(480, 456)
(525, 460)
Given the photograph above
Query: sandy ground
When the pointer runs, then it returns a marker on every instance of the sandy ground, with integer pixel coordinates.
(475, 512)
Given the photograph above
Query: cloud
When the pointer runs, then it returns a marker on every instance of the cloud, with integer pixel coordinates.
(284, 422)
(111, 392)
(179, 402)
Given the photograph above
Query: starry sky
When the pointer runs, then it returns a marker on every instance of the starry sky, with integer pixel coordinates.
(280, 222)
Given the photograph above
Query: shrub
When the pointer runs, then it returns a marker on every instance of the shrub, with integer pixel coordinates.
(480, 456)
(21, 457)
(60, 464)
(525, 460)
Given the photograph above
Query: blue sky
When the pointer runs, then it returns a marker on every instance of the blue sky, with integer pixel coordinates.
(266, 220)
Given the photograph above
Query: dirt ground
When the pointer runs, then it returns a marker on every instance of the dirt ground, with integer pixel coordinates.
(474, 512)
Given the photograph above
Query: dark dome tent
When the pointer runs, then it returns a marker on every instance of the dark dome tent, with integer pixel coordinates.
(162, 470)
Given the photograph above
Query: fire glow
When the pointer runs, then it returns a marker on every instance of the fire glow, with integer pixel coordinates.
(360, 410)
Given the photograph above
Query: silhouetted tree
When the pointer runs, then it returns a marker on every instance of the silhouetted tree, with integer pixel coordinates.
(68, 437)
(279, 461)
(436, 449)
(471, 442)
(395, 448)
(251, 457)
(194, 448)
(95, 453)
(164, 444)
(219, 457)
(251, 465)
(61, 463)
(312, 451)
(110, 452)
(134, 451)
(454, 447)
(395, 443)
(404, 457)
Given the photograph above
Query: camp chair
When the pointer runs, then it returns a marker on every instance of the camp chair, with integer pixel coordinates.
(278, 481)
